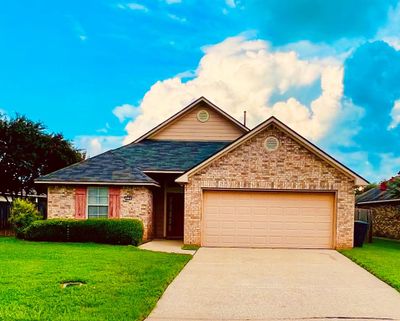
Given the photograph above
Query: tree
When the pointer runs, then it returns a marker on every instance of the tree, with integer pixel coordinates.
(363, 189)
(27, 151)
(392, 186)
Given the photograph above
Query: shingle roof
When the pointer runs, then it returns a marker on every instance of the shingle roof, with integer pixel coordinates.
(126, 164)
(375, 195)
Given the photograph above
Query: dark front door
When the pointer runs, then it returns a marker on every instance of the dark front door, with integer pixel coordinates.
(175, 215)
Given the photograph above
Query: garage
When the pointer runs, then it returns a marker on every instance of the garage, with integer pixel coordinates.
(268, 219)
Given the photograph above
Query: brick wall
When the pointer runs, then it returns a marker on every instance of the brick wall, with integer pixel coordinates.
(385, 220)
(291, 167)
(136, 202)
(140, 206)
(61, 202)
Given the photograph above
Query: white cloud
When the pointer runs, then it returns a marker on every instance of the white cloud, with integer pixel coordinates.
(104, 129)
(230, 3)
(387, 166)
(176, 18)
(390, 33)
(340, 49)
(94, 145)
(239, 74)
(393, 42)
(125, 111)
(186, 74)
(173, 1)
(133, 6)
(395, 113)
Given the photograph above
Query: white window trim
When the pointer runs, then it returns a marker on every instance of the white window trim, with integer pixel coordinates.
(87, 201)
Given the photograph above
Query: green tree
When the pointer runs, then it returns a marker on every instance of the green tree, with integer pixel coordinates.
(28, 151)
(366, 188)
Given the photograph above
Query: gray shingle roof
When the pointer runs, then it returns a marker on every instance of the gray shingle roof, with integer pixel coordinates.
(374, 195)
(127, 163)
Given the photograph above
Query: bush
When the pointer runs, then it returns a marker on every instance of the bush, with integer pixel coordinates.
(113, 231)
(23, 214)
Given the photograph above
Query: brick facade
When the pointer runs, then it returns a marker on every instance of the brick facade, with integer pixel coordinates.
(385, 219)
(140, 206)
(136, 202)
(61, 202)
(291, 167)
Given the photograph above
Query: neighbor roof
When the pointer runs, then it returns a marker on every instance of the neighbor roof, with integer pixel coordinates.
(129, 164)
(185, 110)
(375, 195)
(358, 180)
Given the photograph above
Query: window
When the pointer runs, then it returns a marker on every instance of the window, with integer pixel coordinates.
(97, 202)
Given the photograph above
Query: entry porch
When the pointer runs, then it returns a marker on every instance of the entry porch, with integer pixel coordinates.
(168, 207)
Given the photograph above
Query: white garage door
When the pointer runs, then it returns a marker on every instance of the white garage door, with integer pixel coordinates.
(267, 219)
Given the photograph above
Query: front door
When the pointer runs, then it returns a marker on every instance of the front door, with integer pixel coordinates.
(175, 215)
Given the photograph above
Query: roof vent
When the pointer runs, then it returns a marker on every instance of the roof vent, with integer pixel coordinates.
(271, 143)
(203, 116)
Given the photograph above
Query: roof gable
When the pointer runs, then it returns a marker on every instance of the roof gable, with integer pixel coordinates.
(184, 125)
(358, 180)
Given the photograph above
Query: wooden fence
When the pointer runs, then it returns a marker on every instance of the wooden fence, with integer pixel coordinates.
(364, 214)
(5, 227)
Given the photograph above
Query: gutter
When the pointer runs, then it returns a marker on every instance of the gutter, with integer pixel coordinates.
(96, 183)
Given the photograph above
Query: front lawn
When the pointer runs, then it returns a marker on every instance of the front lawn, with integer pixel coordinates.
(381, 258)
(121, 282)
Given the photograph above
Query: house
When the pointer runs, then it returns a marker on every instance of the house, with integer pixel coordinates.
(385, 212)
(203, 176)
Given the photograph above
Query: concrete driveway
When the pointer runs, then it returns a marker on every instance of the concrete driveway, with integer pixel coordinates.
(267, 284)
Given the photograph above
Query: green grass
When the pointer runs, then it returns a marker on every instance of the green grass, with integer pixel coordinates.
(190, 247)
(122, 282)
(381, 258)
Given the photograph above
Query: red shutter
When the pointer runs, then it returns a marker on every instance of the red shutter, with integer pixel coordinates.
(114, 202)
(80, 203)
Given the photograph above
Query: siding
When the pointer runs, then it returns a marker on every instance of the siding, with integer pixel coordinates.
(188, 128)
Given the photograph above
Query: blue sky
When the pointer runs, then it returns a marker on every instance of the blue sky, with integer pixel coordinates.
(102, 72)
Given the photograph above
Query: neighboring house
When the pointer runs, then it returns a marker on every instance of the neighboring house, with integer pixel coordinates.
(385, 212)
(203, 176)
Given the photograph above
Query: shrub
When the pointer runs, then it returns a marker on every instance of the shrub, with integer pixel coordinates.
(115, 231)
(23, 214)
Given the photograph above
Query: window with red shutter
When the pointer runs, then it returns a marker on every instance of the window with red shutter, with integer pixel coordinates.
(98, 202)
